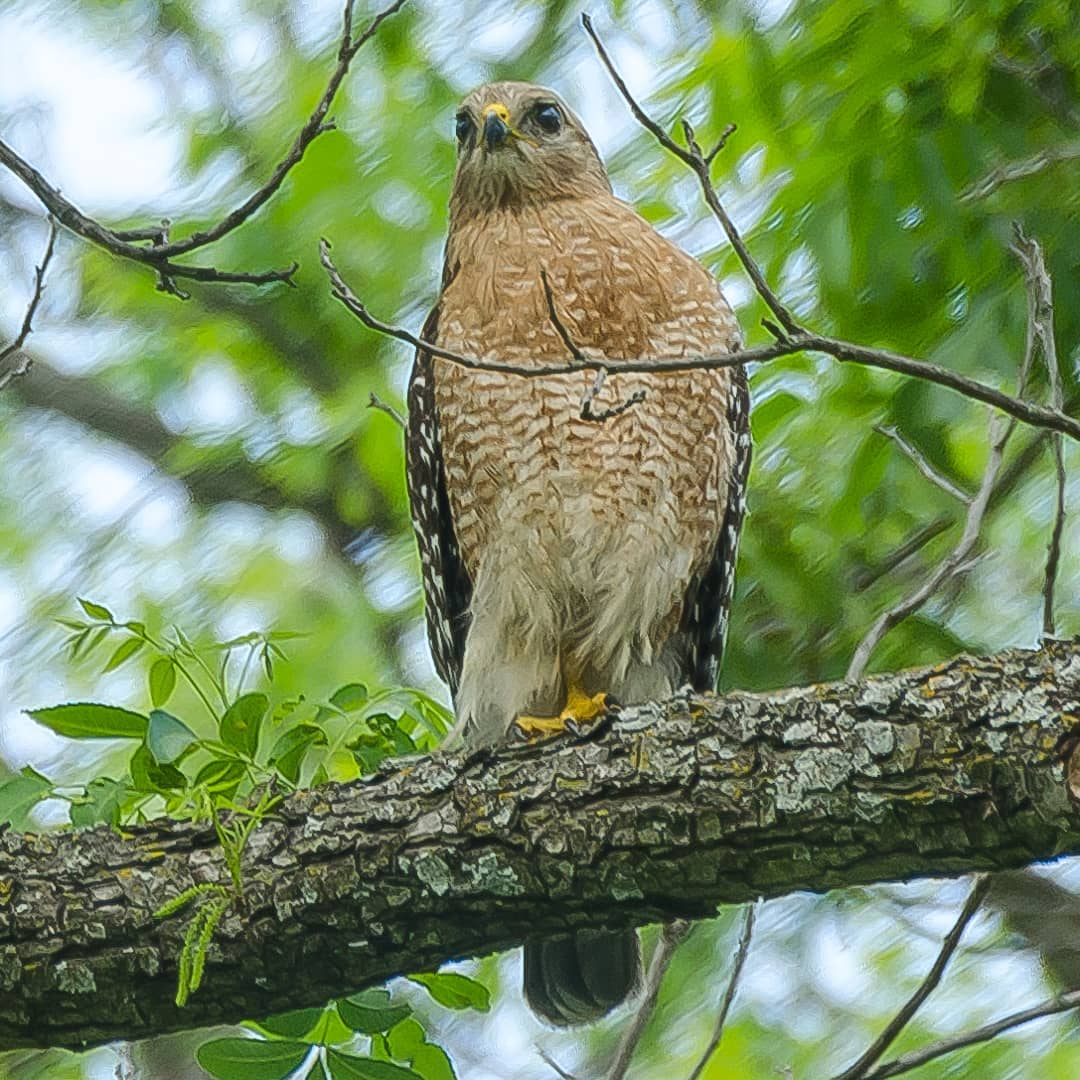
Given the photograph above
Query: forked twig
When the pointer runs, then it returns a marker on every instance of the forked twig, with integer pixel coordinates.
(19, 369)
(729, 993)
(161, 252)
(1040, 295)
(845, 351)
(917, 1058)
(860, 1069)
(376, 402)
(672, 935)
(959, 561)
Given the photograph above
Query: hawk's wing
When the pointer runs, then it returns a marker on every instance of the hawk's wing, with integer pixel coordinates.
(709, 598)
(447, 588)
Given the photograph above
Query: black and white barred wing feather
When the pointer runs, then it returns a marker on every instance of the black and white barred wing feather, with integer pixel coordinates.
(708, 603)
(447, 588)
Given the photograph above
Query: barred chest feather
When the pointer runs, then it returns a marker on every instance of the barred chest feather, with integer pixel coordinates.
(581, 538)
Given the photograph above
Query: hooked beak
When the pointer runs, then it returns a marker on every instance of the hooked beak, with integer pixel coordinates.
(496, 126)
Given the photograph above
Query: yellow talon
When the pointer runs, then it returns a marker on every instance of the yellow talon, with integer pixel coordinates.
(580, 710)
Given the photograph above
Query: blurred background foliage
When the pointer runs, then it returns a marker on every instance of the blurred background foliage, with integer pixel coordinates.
(214, 463)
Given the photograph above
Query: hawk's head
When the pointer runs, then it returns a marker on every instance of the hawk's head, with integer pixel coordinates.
(518, 144)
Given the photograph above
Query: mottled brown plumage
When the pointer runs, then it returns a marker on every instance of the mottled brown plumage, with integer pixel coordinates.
(562, 555)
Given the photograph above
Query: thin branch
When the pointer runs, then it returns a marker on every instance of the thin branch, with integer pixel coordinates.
(19, 369)
(672, 935)
(695, 148)
(920, 462)
(1019, 170)
(313, 128)
(560, 326)
(548, 1060)
(959, 561)
(697, 162)
(860, 1070)
(73, 219)
(844, 351)
(917, 1058)
(162, 251)
(954, 564)
(866, 576)
(376, 402)
(729, 993)
(1041, 329)
(586, 411)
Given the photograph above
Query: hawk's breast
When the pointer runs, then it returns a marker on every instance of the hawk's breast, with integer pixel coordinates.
(524, 472)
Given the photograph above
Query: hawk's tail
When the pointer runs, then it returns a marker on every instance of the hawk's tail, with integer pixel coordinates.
(577, 979)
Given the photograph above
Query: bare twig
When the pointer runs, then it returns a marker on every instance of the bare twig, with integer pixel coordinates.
(68, 215)
(860, 1069)
(959, 561)
(586, 411)
(19, 369)
(845, 351)
(672, 935)
(162, 251)
(863, 578)
(1019, 170)
(376, 402)
(699, 164)
(548, 1060)
(560, 327)
(1041, 330)
(729, 993)
(918, 459)
(954, 564)
(917, 1058)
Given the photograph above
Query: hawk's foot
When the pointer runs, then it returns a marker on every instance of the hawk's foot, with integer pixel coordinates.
(580, 711)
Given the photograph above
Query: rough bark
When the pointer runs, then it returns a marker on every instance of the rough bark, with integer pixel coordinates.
(669, 810)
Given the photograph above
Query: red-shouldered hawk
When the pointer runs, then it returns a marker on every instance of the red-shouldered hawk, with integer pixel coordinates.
(565, 560)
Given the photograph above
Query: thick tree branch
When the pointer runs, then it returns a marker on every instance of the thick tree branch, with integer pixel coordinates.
(665, 813)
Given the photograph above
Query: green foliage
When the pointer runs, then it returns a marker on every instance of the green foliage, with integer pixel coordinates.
(397, 1046)
(212, 759)
(861, 126)
(455, 991)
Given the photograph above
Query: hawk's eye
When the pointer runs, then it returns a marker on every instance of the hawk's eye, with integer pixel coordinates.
(463, 126)
(548, 117)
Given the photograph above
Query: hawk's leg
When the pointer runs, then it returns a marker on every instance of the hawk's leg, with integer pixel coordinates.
(580, 710)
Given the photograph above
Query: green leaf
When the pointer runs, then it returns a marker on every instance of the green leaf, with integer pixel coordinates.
(168, 737)
(289, 751)
(241, 723)
(87, 720)
(455, 991)
(251, 1059)
(20, 794)
(124, 652)
(296, 1024)
(102, 803)
(162, 680)
(407, 1041)
(348, 1067)
(370, 1011)
(220, 777)
(147, 775)
(433, 1063)
(341, 767)
(96, 611)
(350, 697)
